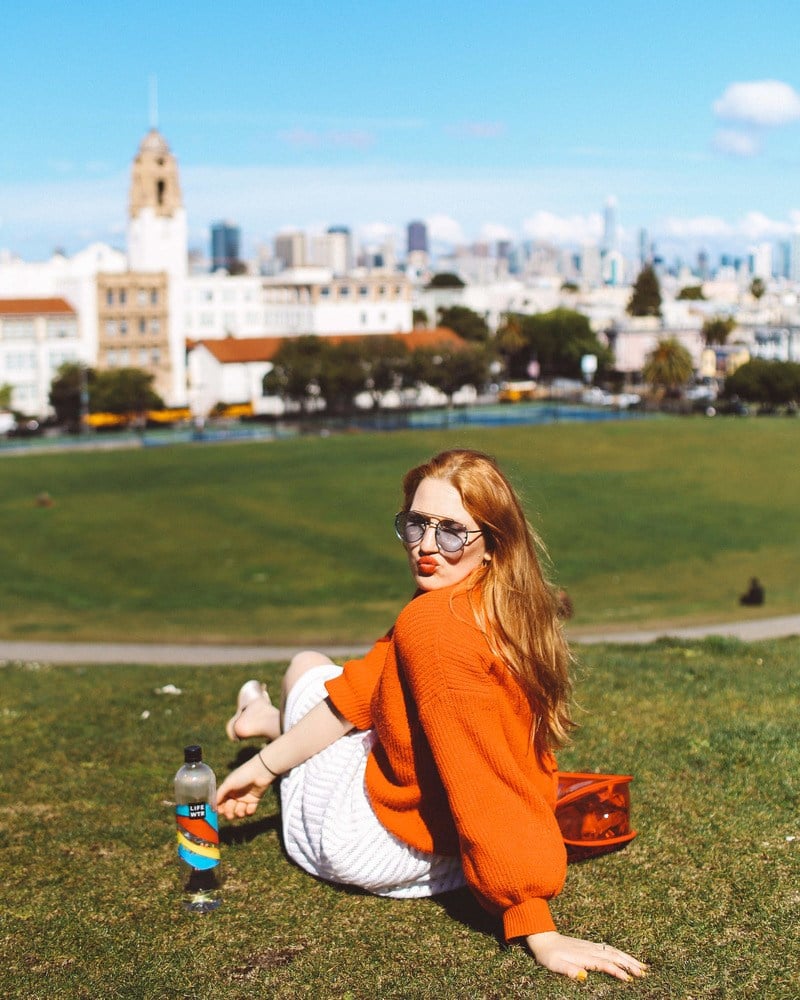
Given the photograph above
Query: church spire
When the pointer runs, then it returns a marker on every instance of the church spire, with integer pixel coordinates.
(153, 103)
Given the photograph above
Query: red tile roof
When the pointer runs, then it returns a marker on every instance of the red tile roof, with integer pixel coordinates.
(35, 307)
(236, 350)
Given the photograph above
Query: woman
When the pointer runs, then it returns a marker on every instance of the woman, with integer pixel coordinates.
(428, 764)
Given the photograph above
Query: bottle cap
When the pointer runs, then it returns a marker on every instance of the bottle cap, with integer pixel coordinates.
(193, 754)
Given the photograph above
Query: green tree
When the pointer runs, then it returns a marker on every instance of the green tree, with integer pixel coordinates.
(386, 364)
(645, 297)
(343, 374)
(468, 324)
(757, 288)
(557, 340)
(419, 318)
(691, 293)
(772, 383)
(6, 392)
(445, 279)
(297, 370)
(448, 367)
(124, 390)
(669, 367)
(717, 329)
(67, 390)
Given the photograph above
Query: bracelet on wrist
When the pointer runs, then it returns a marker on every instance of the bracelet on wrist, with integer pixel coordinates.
(266, 766)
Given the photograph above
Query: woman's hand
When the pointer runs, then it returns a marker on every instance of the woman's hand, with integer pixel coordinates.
(576, 958)
(240, 793)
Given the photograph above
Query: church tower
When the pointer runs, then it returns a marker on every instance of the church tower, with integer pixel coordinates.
(157, 233)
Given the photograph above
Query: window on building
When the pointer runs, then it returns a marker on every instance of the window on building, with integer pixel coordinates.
(111, 328)
(142, 325)
(123, 296)
(57, 329)
(21, 360)
(123, 328)
(155, 327)
(154, 297)
(144, 358)
(109, 296)
(18, 329)
(344, 291)
(363, 291)
(155, 356)
(141, 296)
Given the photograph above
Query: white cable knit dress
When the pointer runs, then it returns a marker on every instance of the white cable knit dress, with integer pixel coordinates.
(329, 827)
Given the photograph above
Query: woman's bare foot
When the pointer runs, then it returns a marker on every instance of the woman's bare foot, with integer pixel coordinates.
(255, 714)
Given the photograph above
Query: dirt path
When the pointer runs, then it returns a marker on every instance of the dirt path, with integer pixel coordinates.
(186, 655)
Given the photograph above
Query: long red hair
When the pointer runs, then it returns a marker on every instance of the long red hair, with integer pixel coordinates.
(518, 608)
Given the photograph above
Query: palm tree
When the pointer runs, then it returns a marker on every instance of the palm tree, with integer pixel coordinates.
(669, 367)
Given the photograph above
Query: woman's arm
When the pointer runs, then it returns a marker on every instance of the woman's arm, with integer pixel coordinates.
(239, 794)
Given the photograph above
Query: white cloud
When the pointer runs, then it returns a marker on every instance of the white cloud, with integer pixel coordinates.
(736, 143)
(752, 227)
(493, 232)
(759, 102)
(560, 229)
(700, 226)
(444, 229)
(376, 233)
(757, 226)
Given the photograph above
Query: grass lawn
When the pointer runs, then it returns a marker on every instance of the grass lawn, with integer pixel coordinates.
(660, 521)
(707, 893)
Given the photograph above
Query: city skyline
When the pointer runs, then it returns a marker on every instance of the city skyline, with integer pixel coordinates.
(486, 128)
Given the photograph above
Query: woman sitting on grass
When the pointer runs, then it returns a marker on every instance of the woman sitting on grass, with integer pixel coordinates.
(428, 764)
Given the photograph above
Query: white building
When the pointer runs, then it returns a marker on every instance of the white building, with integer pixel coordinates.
(37, 336)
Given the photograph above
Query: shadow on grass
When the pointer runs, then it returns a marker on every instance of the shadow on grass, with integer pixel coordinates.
(461, 905)
(243, 833)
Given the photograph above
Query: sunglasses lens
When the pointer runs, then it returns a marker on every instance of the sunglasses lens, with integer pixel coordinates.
(450, 539)
(409, 528)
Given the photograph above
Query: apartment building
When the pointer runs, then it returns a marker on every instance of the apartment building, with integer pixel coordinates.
(37, 336)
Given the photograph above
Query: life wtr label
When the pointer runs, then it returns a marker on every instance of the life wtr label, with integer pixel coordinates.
(198, 835)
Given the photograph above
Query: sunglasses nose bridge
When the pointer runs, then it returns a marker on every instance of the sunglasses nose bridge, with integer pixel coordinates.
(429, 534)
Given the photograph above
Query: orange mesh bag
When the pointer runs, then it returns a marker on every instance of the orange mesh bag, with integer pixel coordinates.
(593, 812)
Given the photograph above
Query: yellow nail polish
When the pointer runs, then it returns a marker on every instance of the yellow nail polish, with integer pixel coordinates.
(582, 976)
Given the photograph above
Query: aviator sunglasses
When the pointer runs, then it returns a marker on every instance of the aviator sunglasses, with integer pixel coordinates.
(451, 536)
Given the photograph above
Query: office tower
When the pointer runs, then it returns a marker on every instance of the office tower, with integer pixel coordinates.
(417, 237)
(644, 249)
(225, 242)
(290, 248)
(610, 225)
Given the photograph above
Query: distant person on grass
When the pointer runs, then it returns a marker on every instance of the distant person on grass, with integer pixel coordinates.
(428, 764)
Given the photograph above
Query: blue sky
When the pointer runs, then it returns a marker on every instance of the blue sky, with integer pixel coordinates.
(517, 120)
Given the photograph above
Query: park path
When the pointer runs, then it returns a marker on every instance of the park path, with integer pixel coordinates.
(169, 654)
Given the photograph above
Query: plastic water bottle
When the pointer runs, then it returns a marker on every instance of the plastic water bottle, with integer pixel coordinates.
(198, 831)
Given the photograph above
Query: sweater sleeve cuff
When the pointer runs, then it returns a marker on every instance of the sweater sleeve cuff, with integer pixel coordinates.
(530, 917)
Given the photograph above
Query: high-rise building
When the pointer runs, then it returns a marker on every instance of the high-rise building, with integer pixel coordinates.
(225, 246)
(290, 249)
(610, 225)
(417, 237)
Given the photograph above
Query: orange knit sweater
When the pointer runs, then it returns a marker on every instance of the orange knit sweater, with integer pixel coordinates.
(453, 770)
